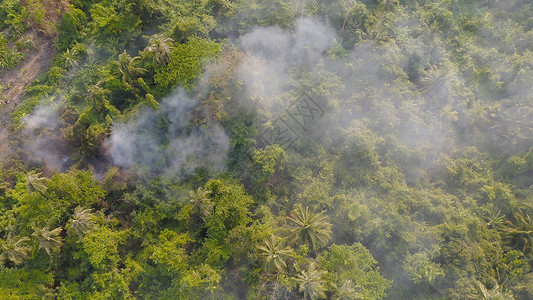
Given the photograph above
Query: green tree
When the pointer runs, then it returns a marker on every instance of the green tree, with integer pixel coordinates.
(311, 282)
(160, 50)
(308, 227)
(81, 222)
(274, 254)
(186, 63)
(518, 233)
(128, 68)
(49, 240)
(15, 249)
(352, 271)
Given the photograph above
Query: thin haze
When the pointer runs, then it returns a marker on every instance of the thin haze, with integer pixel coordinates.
(144, 144)
(44, 139)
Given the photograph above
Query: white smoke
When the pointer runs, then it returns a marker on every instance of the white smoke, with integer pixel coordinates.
(145, 144)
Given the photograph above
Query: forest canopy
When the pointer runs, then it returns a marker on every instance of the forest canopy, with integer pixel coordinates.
(268, 149)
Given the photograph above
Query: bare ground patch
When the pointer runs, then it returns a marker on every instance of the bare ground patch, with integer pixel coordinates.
(15, 81)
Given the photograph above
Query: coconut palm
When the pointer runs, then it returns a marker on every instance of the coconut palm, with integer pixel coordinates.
(70, 58)
(386, 6)
(346, 291)
(310, 227)
(496, 293)
(481, 115)
(127, 67)
(201, 203)
(160, 49)
(14, 249)
(495, 219)
(513, 126)
(432, 79)
(374, 32)
(49, 240)
(311, 282)
(81, 222)
(518, 234)
(274, 253)
(348, 7)
(35, 182)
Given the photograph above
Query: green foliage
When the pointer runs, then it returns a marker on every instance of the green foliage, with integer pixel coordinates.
(9, 57)
(310, 227)
(22, 283)
(311, 282)
(185, 64)
(418, 156)
(274, 253)
(70, 28)
(354, 265)
(114, 25)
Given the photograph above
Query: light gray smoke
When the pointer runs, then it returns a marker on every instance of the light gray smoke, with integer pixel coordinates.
(44, 139)
(146, 145)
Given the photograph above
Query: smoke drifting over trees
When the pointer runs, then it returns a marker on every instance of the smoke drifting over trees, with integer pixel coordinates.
(266, 149)
(150, 146)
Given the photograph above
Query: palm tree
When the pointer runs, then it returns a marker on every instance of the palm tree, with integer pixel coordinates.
(70, 58)
(274, 254)
(49, 240)
(311, 282)
(160, 49)
(310, 227)
(481, 116)
(81, 222)
(349, 4)
(201, 203)
(127, 67)
(495, 219)
(374, 32)
(496, 293)
(432, 79)
(34, 182)
(97, 96)
(14, 249)
(519, 234)
(386, 6)
(513, 126)
(346, 291)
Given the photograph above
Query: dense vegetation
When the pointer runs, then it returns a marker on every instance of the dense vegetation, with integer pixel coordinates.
(272, 149)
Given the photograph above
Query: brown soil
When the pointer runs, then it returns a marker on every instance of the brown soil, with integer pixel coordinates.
(16, 80)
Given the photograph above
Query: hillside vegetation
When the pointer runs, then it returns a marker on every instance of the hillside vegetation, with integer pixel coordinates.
(268, 149)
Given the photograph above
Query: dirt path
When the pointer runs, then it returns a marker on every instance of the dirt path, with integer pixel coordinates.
(37, 61)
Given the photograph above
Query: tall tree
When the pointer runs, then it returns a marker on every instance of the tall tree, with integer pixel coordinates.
(81, 222)
(274, 253)
(311, 282)
(308, 227)
(49, 240)
(160, 48)
(15, 249)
